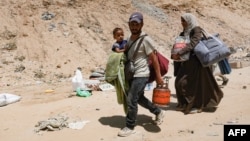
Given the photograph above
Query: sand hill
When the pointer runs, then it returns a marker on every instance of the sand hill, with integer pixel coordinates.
(47, 40)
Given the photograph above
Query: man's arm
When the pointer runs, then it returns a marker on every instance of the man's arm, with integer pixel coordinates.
(154, 59)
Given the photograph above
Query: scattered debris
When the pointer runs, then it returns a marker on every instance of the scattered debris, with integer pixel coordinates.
(186, 131)
(78, 124)
(52, 124)
(20, 68)
(10, 46)
(232, 121)
(83, 93)
(97, 74)
(49, 91)
(217, 123)
(106, 87)
(48, 16)
(212, 134)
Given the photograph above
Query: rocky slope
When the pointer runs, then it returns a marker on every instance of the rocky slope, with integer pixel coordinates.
(45, 41)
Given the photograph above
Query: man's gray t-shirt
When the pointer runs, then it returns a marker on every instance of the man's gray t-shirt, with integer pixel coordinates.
(141, 59)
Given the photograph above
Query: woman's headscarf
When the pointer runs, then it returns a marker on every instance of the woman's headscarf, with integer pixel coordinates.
(191, 21)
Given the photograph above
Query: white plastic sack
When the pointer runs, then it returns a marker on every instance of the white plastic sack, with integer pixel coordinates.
(180, 43)
(78, 125)
(77, 81)
(6, 99)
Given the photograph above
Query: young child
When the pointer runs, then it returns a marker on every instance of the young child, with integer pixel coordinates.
(119, 45)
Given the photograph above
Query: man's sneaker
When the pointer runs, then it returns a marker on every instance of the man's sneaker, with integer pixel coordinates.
(125, 132)
(159, 118)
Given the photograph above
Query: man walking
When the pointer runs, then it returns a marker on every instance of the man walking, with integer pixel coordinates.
(135, 94)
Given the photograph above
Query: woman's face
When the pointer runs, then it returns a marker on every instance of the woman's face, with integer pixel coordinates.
(184, 23)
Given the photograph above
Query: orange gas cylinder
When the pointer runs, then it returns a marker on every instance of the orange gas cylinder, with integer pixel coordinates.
(161, 94)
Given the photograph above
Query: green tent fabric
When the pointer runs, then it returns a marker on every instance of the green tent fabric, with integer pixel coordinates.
(114, 74)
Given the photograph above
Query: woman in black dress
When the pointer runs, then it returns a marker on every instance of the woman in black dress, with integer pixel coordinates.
(196, 87)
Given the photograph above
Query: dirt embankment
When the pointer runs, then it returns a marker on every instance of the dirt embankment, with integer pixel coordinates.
(45, 41)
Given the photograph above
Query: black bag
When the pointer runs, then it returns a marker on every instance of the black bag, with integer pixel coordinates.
(129, 69)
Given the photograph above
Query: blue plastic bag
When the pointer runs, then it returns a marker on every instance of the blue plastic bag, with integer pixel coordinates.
(224, 66)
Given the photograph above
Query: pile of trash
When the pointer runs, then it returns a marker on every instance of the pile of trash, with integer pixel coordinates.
(52, 124)
(97, 74)
(58, 123)
(96, 82)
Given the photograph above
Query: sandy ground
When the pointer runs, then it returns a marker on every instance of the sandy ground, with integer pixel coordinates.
(39, 55)
(106, 117)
